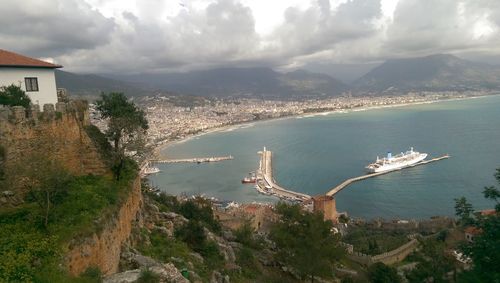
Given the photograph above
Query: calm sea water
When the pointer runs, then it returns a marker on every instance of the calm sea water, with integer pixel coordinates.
(313, 154)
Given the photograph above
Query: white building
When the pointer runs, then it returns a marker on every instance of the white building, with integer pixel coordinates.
(34, 76)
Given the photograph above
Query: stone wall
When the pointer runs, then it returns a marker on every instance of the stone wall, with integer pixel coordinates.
(56, 135)
(390, 257)
(102, 250)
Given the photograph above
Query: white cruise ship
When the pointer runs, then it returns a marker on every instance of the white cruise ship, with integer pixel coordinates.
(396, 162)
(148, 170)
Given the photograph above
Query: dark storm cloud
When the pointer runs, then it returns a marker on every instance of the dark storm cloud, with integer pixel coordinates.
(52, 27)
(423, 27)
(222, 33)
(320, 27)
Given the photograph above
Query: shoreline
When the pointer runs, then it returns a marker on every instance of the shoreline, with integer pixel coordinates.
(157, 151)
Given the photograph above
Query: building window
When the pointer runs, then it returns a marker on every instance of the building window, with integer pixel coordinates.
(31, 84)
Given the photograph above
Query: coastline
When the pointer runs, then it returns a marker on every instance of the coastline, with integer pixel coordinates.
(158, 149)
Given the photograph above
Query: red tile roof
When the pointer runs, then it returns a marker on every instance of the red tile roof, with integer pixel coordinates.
(473, 230)
(488, 212)
(11, 59)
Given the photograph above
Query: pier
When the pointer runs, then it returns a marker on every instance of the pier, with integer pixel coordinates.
(266, 183)
(193, 160)
(347, 182)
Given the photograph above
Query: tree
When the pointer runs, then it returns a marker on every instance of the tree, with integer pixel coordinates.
(485, 250)
(126, 127)
(46, 182)
(463, 209)
(381, 273)
(13, 95)
(305, 241)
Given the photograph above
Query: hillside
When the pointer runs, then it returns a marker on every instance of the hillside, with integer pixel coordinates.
(259, 82)
(90, 85)
(438, 72)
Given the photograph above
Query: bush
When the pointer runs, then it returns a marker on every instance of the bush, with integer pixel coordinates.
(14, 96)
(381, 273)
(200, 210)
(244, 235)
(148, 276)
(30, 251)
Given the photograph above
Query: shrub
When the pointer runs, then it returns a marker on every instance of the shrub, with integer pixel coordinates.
(200, 210)
(14, 96)
(148, 276)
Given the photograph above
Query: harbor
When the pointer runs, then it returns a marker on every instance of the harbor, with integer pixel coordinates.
(267, 185)
(347, 182)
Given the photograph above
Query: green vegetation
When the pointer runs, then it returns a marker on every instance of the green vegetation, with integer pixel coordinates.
(464, 211)
(147, 276)
(13, 95)
(381, 273)
(372, 241)
(189, 238)
(433, 262)
(485, 249)
(126, 128)
(31, 244)
(305, 242)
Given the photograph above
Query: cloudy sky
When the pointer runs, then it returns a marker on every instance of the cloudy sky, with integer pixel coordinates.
(128, 36)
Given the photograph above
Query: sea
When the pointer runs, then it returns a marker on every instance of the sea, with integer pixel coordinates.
(314, 153)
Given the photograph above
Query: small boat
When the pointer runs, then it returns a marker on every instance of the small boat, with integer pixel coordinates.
(251, 179)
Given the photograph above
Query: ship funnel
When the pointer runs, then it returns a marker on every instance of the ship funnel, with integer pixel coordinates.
(389, 155)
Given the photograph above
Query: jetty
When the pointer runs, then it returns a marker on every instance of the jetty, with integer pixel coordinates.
(267, 185)
(193, 160)
(347, 182)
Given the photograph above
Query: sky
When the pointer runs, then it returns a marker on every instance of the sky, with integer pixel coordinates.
(137, 36)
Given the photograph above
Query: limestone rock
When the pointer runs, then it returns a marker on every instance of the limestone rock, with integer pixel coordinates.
(8, 193)
(128, 276)
(138, 260)
(170, 273)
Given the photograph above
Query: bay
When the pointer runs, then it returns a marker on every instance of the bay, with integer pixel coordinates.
(314, 154)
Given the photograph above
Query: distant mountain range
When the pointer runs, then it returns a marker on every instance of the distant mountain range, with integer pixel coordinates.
(256, 82)
(432, 73)
(90, 86)
(439, 72)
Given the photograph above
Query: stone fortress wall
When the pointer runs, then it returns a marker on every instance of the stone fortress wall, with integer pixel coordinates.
(56, 133)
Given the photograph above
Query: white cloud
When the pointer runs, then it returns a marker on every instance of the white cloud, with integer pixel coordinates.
(159, 35)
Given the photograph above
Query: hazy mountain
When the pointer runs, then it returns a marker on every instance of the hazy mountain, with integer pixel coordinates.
(261, 82)
(435, 73)
(347, 73)
(90, 86)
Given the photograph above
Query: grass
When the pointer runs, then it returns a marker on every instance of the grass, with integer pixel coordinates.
(374, 241)
(31, 251)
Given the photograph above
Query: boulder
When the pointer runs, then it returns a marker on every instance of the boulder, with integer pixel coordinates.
(128, 276)
(170, 273)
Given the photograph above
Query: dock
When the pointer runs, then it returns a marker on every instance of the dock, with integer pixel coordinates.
(347, 182)
(267, 185)
(194, 160)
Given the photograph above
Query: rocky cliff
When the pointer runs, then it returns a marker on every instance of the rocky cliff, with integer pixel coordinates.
(58, 135)
(103, 249)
